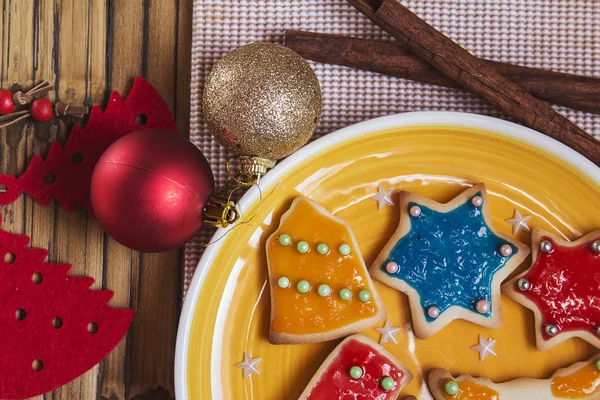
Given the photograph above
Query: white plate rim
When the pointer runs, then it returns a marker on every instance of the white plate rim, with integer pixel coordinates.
(420, 118)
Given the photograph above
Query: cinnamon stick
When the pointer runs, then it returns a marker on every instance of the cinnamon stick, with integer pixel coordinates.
(392, 58)
(473, 74)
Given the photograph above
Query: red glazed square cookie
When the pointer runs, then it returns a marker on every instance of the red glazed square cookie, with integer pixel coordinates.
(358, 369)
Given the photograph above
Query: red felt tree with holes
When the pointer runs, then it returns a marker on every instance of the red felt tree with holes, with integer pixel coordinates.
(53, 328)
(66, 173)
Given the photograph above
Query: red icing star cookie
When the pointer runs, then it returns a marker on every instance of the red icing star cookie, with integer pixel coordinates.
(562, 288)
(358, 369)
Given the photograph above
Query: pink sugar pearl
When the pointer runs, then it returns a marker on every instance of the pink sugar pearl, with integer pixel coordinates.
(391, 267)
(415, 211)
(505, 250)
(483, 306)
(433, 312)
(477, 201)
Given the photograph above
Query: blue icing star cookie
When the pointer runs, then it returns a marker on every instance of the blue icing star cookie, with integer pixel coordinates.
(449, 260)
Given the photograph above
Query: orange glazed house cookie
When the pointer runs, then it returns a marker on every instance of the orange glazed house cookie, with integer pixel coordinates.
(358, 368)
(320, 287)
(449, 260)
(579, 381)
(562, 288)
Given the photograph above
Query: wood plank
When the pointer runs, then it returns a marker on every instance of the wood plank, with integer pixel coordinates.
(184, 66)
(121, 265)
(153, 341)
(38, 218)
(76, 233)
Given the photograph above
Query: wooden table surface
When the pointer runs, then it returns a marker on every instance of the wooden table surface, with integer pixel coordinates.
(87, 48)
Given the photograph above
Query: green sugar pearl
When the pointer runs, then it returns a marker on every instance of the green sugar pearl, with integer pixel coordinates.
(356, 372)
(303, 286)
(387, 383)
(324, 290)
(302, 247)
(285, 239)
(345, 294)
(344, 249)
(322, 248)
(364, 295)
(598, 365)
(283, 282)
(451, 387)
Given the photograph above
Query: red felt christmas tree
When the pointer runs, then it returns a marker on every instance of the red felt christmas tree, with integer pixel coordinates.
(67, 172)
(53, 328)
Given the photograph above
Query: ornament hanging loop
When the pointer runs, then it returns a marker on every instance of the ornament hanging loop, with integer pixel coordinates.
(220, 212)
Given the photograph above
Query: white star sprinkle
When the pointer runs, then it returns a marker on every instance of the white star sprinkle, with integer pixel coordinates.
(485, 347)
(250, 365)
(388, 333)
(383, 197)
(519, 222)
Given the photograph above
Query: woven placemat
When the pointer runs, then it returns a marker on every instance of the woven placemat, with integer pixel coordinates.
(563, 35)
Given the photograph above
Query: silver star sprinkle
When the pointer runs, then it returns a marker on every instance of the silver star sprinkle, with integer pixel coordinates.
(519, 222)
(383, 197)
(485, 347)
(250, 365)
(388, 333)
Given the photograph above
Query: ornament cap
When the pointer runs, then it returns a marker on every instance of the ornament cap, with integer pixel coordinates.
(255, 167)
(220, 212)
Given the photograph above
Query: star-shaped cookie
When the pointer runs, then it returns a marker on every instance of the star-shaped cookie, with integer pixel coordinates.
(449, 260)
(562, 288)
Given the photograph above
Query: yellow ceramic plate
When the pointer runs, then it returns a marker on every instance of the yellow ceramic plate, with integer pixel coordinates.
(226, 312)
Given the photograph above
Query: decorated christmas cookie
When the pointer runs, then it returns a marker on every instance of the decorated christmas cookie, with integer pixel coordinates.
(562, 288)
(320, 287)
(449, 260)
(579, 381)
(358, 369)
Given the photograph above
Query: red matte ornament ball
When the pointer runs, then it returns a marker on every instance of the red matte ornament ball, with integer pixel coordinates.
(149, 189)
(7, 104)
(41, 109)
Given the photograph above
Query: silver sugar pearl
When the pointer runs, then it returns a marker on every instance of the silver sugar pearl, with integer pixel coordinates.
(524, 284)
(598, 330)
(545, 246)
(551, 329)
(596, 246)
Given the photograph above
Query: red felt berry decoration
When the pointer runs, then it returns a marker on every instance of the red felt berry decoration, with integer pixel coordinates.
(7, 104)
(41, 109)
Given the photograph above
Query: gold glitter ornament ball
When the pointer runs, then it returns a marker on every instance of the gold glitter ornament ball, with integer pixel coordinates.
(263, 101)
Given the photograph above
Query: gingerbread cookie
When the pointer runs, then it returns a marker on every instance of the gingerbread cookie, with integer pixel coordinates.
(449, 260)
(358, 368)
(579, 381)
(562, 288)
(320, 286)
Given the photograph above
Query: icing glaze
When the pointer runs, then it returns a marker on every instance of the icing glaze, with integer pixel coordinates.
(449, 258)
(303, 313)
(564, 285)
(470, 390)
(336, 382)
(578, 385)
